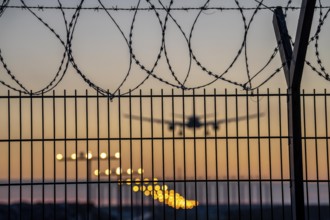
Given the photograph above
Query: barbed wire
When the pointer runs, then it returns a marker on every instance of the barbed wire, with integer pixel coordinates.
(68, 59)
(116, 8)
(322, 71)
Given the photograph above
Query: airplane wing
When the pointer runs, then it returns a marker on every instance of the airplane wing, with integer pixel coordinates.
(156, 120)
(229, 120)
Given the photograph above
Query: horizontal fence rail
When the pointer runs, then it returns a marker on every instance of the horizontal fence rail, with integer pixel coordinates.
(186, 155)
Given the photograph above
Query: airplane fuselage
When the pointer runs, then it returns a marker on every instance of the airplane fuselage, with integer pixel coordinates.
(194, 122)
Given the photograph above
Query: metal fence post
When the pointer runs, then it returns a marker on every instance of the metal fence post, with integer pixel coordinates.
(293, 72)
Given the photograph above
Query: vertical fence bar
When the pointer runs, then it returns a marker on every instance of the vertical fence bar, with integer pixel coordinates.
(184, 151)
(281, 150)
(216, 151)
(20, 155)
(98, 154)
(76, 150)
(327, 144)
(195, 154)
(141, 151)
(259, 161)
(270, 156)
(173, 152)
(306, 154)
(130, 149)
(238, 157)
(152, 152)
(65, 156)
(9, 155)
(88, 165)
(316, 156)
(109, 164)
(205, 152)
(290, 174)
(31, 149)
(43, 152)
(163, 151)
(248, 153)
(227, 155)
(54, 152)
(120, 159)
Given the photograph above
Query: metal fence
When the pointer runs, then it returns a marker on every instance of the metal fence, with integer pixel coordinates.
(191, 155)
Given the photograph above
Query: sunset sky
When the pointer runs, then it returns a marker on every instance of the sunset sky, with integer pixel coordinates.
(33, 54)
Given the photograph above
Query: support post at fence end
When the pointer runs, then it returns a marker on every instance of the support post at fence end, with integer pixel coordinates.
(293, 73)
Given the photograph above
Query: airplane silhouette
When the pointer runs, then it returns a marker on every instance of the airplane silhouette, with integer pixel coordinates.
(194, 121)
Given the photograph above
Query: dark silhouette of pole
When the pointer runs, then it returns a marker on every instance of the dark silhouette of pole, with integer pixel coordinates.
(293, 70)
